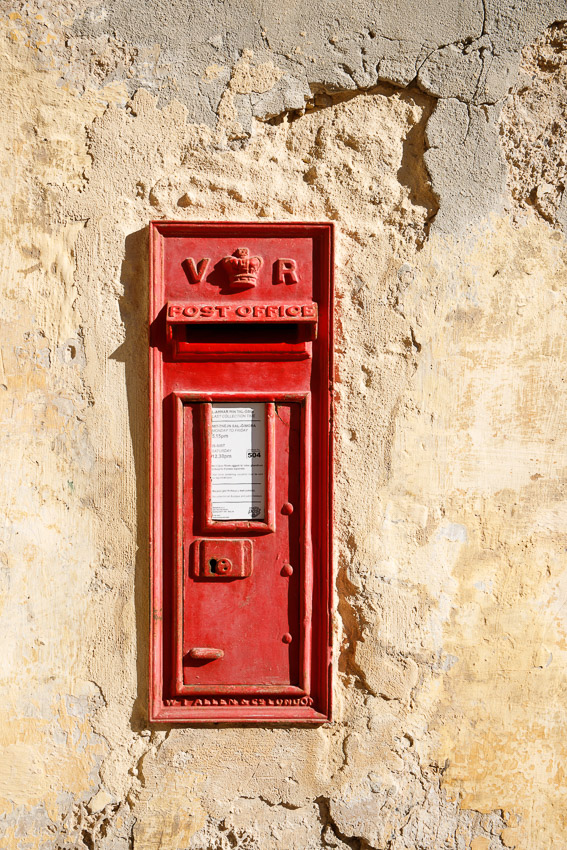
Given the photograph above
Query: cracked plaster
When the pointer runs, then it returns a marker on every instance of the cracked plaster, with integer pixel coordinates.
(468, 51)
(450, 629)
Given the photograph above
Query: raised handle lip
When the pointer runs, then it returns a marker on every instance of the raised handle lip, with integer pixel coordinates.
(205, 653)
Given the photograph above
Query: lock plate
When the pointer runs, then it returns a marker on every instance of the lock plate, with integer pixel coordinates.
(220, 559)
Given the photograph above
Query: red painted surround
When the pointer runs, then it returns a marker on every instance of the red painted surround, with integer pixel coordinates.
(252, 645)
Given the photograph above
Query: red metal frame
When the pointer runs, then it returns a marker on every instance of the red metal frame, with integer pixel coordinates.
(272, 368)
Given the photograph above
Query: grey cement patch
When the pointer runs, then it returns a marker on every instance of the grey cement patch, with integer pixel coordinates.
(463, 51)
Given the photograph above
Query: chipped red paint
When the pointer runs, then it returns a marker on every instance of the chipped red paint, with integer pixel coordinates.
(241, 609)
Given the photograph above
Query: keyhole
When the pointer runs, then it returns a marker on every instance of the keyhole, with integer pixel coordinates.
(213, 565)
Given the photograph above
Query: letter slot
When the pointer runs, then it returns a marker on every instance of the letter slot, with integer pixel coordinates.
(240, 472)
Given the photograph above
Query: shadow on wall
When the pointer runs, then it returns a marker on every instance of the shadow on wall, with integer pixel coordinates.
(134, 354)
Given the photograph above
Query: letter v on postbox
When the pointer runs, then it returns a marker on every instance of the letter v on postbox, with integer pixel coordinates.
(241, 472)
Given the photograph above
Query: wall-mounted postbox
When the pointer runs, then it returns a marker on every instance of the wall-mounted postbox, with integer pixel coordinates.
(241, 367)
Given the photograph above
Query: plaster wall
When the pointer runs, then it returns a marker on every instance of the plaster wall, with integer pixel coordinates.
(433, 134)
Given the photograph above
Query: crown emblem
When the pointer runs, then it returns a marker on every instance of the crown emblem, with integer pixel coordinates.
(242, 269)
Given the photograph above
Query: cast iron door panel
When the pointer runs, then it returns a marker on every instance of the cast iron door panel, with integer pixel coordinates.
(252, 619)
(241, 336)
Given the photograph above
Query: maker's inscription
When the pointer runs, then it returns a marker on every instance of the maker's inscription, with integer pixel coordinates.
(280, 701)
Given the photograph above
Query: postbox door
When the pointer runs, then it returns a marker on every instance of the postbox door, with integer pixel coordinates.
(242, 590)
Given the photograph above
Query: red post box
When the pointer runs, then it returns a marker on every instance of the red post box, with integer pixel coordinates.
(241, 331)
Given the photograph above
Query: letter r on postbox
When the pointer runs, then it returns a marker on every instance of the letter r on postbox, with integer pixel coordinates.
(286, 271)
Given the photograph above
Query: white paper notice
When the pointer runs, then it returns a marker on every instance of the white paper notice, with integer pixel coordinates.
(238, 461)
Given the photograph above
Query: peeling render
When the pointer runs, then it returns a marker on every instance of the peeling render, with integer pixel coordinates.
(432, 135)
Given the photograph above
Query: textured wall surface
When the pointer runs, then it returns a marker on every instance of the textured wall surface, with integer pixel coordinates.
(433, 134)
